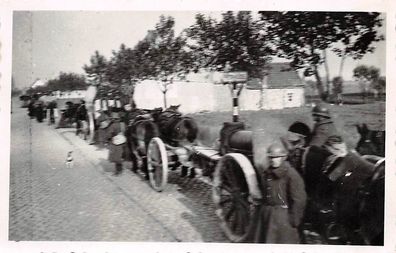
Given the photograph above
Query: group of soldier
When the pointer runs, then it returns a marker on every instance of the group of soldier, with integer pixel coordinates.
(284, 195)
(38, 109)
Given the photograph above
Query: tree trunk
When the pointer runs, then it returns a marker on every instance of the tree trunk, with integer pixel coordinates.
(327, 71)
(131, 94)
(319, 85)
(342, 64)
(165, 104)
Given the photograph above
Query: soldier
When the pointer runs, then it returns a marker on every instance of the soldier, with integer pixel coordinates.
(81, 115)
(284, 200)
(39, 110)
(31, 108)
(117, 142)
(325, 134)
(324, 126)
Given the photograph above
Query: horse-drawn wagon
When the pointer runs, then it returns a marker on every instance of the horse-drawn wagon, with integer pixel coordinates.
(228, 169)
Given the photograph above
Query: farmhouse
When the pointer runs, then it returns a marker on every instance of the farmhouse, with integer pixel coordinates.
(281, 88)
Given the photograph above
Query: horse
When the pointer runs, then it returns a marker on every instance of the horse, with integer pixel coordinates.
(346, 195)
(175, 128)
(372, 142)
(141, 129)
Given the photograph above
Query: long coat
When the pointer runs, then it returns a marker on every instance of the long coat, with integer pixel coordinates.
(116, 152)
(282, 208)
(322, 131)
(102, 132)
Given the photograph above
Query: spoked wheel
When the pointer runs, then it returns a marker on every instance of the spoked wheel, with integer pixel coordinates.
(234, 181)
(157, 164)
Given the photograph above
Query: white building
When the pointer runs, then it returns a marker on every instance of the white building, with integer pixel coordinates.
(281, 88)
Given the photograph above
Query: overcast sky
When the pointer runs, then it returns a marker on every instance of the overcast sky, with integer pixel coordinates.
(48, 42)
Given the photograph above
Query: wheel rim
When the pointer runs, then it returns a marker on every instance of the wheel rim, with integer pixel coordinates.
(230, 194)
(157, 164)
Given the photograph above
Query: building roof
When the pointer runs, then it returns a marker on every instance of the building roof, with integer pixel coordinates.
(280, 75)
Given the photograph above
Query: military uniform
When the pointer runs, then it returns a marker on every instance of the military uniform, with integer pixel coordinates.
(282, 207)
(116, 152)
(81, 115)
(322, 131)
(102, 132)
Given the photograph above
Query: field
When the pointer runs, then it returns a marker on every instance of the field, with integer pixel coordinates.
(270, 125)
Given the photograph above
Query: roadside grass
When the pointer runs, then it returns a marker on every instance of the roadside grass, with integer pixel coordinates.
(271, 124)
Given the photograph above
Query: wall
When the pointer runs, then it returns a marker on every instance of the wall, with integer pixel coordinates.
(71, 94)
(203, 96)
(283, 98)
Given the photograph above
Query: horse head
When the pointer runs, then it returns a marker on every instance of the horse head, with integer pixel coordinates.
(185, 129)
(372, 142)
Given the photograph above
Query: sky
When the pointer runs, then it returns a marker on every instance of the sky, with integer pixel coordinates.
(46, 43)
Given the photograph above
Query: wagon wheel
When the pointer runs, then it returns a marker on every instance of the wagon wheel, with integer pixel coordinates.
(234, 181)
(157, 164)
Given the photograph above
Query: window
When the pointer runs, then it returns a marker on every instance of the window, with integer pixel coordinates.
(290, 96)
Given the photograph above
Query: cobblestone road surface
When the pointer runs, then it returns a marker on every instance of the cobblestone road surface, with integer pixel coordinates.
(87, 203)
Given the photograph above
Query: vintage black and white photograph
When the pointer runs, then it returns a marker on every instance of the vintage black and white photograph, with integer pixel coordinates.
(263, 127)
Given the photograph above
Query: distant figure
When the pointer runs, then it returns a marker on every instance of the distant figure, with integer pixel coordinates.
(39, 110)
(51, 108)
(31, 109)
(69, 160)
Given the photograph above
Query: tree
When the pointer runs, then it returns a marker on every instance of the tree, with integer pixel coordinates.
(337, 88)
(380, 85)
(301, 37)
(357, 31)
(122, 72)
(234, 42)
(97, 70)
(68, 81)
(64, 82)
(164, 56)
(304, 37)
(367, 77)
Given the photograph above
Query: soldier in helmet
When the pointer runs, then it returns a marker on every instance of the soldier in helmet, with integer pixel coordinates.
(324, 126)
(117, 140)
(284, 200)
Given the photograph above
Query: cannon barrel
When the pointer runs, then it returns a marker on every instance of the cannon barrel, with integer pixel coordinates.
(241, 140)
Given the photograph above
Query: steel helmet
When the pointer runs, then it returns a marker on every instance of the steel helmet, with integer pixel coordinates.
(320, 110)
(276, 150)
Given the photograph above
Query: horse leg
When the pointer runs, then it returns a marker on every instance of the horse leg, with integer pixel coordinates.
(135, 163)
